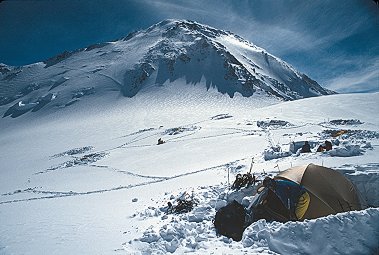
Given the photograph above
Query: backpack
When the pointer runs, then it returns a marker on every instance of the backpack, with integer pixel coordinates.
(230, 220)
(271, 208)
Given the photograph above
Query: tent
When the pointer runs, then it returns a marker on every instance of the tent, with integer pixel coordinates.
(330, 192)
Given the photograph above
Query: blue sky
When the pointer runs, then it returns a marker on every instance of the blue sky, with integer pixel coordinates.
(335, 42)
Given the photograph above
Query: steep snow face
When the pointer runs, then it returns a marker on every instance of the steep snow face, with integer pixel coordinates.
(161, 54)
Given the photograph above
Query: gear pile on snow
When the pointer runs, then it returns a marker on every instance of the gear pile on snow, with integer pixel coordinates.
(244, 180)
(185, 203)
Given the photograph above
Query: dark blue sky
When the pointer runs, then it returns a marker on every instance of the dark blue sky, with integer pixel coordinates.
(335, 42)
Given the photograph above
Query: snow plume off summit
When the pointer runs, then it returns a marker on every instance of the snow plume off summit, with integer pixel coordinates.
(172, 50)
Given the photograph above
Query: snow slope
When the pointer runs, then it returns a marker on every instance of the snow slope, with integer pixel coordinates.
(69, 177)
(168, 51)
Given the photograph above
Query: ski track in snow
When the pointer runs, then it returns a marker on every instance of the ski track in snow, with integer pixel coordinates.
(62, 194)
(141, 136)
(129, 173)
(185, 133)
(203, 230)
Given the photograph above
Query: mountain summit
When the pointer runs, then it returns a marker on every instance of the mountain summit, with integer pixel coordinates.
(165, 52)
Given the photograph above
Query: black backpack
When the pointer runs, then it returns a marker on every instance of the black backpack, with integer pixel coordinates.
(230, 220)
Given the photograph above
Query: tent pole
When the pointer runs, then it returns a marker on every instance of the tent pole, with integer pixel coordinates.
(227, 194)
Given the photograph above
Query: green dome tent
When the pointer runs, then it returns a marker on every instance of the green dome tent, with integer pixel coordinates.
(330, 191)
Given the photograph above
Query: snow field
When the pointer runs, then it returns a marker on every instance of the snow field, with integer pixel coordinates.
(64, 198)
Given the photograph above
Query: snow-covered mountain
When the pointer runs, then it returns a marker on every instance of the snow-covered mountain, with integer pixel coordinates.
(165, 52)
(82, 173)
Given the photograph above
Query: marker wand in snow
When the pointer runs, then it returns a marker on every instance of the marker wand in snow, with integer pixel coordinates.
(251, 166)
